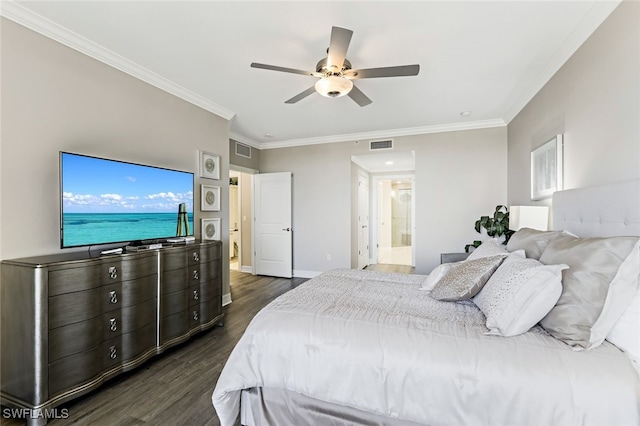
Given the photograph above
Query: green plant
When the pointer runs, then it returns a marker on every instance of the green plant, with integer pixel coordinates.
(496, 226)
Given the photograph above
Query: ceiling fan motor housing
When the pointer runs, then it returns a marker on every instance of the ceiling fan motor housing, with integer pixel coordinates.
(321, 67)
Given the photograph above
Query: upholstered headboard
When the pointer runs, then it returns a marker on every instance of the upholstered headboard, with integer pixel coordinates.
(599, 211)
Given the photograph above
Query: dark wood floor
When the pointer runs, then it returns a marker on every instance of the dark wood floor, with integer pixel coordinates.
(175, 388)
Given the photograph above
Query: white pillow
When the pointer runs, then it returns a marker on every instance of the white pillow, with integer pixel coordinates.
(436, 275)
(519, 294)
(625, 334)
(487, 249)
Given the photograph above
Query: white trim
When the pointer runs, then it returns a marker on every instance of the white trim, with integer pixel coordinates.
(246, 269)
(226, 299)
(410, 131)
(25, 17)
(305, 274)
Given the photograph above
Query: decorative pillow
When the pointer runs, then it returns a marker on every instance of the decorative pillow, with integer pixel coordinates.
(532, 241)
(436, 275)
(486, 249)
(519, 294)
(465, 280)
(625, 334)
(592, 300)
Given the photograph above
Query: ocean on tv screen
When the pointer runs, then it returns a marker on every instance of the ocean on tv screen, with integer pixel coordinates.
(99, 228)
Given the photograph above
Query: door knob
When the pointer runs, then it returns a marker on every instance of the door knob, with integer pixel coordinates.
(286, 229)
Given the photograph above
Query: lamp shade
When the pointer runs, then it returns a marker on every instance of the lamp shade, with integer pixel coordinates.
(333, 86)
(534, 217)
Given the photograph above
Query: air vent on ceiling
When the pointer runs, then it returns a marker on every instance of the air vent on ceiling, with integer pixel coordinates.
(377, 145)
(243, 150)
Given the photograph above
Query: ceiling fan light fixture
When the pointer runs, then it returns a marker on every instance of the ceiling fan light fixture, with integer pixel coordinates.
(333, 86)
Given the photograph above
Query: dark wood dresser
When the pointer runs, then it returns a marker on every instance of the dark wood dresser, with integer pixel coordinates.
(70, 322)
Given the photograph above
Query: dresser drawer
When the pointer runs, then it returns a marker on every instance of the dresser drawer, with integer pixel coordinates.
(202, 292)
(128, 319)
(204, 253)
(174, 302)
(204, 272)
(174, 280)
(128, 293)
(129, 268)
(80, 278)
(75, 307)
(174, 258)
(74, 338)
(173, 326)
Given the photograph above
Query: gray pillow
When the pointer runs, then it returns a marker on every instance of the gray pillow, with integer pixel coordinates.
(580, 318)
(466, 279)
(532, 241)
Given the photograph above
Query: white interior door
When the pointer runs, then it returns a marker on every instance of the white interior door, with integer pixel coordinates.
(363, 220)
(273, 234)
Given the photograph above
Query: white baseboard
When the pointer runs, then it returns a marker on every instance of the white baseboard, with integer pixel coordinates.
(246, 269)
(305, 274)
(226, 299)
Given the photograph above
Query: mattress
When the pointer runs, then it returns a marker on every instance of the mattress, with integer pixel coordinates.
(374, 342)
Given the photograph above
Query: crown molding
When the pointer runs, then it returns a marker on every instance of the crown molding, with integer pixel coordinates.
(410, 131)
(589, 23)
(27, 18)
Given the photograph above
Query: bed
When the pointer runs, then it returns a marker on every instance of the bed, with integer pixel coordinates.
(551, 336)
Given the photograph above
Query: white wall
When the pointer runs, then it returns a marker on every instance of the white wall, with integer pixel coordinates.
(53, 99)
(594, 100)
(459, 177)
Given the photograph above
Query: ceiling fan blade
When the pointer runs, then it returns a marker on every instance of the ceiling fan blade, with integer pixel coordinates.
(301, 95)
(338, 45)
(399, 71)
(283, 69)
(360, 98)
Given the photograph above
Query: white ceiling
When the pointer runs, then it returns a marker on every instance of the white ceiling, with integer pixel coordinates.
(488, 58)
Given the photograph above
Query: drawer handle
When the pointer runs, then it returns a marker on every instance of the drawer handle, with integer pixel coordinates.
(113, 324)
(195, 315)
(195, 275)
(113, 352)
(113, 272)
(195, 256)
(195, 295)
(113, 297)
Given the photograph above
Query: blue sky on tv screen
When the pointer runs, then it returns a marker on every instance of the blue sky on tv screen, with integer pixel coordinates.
(93, 185)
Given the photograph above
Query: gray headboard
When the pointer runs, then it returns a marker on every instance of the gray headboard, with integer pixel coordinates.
(599, 211)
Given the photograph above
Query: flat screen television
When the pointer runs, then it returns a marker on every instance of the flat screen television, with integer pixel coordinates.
(106, 201)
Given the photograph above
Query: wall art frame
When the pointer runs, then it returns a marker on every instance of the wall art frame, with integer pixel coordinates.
(547, 168)
(209, 165)
(210, 229)
(209, 198)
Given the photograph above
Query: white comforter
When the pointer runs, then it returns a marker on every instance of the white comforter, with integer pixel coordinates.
(373, 341)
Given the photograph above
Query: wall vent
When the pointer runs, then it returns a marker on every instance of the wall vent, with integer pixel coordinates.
(377, 145)
(243, 150)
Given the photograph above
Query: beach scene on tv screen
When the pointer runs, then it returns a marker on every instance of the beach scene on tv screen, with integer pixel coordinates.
(109, 201)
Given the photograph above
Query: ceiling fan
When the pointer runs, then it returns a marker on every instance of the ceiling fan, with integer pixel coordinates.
(335, 73)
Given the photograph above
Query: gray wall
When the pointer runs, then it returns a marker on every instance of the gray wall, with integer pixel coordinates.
(237, 160)
(594, 100)
(459, 177)
(55, 98)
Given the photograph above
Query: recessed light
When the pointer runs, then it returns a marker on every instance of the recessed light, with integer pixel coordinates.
(388, 163)
(268, 135)
(465, 113)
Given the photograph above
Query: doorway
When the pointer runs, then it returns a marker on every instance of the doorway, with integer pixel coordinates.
(240, 219)
(393, 212)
